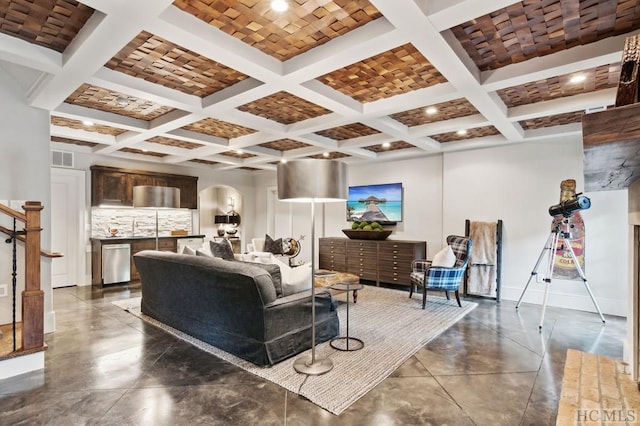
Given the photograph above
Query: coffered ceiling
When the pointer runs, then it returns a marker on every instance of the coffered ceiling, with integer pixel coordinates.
(227, 84)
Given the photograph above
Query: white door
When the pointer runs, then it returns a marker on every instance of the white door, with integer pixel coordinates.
(67, 226)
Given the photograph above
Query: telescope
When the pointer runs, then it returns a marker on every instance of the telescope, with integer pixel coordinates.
(567, 207)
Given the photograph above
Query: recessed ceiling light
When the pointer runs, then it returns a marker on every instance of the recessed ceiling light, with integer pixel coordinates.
(325, 154)
(239, 151)
(431, 110)
(279, 5)
(386, 145)
(461, 132)
(88, 123)
(578, 78)
(144, 150)
(122, 101)
(283, 160)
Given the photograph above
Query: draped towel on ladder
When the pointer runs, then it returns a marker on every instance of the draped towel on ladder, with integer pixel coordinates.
(484, 263)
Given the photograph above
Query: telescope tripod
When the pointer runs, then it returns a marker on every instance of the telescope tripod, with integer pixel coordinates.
(551, 247)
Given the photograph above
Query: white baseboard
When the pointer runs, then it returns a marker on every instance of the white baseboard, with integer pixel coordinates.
(581, 302)
(13, 367)
(49, 322)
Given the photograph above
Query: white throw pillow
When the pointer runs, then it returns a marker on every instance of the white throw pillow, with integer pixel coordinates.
(293, 280)
(444, 257)
(188, 250)
(258, 244)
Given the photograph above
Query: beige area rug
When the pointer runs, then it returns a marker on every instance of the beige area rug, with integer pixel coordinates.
(392, 326)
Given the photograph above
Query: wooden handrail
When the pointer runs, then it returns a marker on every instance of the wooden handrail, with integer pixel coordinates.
(32, 295)
(43, 253)
(13, 213)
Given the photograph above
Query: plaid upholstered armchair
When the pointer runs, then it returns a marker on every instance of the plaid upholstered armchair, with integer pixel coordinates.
(440, 277)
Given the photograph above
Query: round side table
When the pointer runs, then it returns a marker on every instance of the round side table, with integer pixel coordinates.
(347, 343)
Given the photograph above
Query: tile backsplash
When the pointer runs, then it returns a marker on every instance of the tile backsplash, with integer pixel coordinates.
(139, 222)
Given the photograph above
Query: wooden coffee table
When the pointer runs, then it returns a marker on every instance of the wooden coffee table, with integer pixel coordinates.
(336, 281)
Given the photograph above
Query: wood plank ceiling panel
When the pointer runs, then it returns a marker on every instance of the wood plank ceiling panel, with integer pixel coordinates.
(305, 25)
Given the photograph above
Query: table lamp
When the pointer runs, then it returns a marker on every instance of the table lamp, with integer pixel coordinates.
(221, 219)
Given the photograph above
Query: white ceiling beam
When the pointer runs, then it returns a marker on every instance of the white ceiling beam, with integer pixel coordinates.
(603, 52)
(191, 33)
(96, 43)
(143, 89)
(579, 102)
(82, 135)
(401, 132)
(477, 143)
(376, 139)
(553, 132)
(364, 42)
(78, 112)
(454, 66)
(438, 93)
(21, 52)
(445, 14)
(451, 125)
(196, 137)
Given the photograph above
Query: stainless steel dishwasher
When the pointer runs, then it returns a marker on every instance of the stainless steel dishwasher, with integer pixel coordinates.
(116, 263)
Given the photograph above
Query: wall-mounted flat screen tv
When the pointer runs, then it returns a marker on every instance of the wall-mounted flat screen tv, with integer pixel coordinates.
(381, 203)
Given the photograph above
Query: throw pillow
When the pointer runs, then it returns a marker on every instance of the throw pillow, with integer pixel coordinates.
(188, 250)
(276, 275)
(445, 257)
(273, 246)
(222, 250)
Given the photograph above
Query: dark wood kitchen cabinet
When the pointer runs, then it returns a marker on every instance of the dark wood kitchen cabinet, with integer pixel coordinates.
(114, 187)
(110, 187)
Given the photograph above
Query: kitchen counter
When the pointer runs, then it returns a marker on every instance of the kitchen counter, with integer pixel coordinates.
(165, 243)
(144, 237)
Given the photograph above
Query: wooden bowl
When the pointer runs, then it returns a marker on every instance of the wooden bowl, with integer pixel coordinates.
(356, 234)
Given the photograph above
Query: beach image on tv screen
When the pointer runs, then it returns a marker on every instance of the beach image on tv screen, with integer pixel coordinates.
(379, 203)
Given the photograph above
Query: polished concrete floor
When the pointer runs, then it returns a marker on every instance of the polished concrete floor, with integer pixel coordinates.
(105, 366)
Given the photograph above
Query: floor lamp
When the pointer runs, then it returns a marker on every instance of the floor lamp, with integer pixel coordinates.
(156, 197)
(312, 181)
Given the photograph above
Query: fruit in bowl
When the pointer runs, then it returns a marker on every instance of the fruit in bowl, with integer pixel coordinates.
(367, 226)
(366, 231)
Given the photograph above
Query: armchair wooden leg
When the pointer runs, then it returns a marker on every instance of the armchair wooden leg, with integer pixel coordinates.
(424, 297)
(411, 290)
(446, 293)
(458, 299)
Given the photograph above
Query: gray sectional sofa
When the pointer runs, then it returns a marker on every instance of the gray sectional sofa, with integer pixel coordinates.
(232, 305)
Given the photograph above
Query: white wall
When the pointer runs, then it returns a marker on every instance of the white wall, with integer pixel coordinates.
(24, 175)
(516, 183)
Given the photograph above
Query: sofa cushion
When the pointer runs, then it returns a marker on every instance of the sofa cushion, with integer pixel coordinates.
(273, 246)
(222, 250)
(275, 273)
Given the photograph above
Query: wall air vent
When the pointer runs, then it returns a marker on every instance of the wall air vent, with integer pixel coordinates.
(61, 158)
(591, 110)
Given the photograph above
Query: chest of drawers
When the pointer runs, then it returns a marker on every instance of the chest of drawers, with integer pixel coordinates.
(387, 261)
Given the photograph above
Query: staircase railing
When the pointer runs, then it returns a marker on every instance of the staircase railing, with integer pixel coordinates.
(32, 297)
